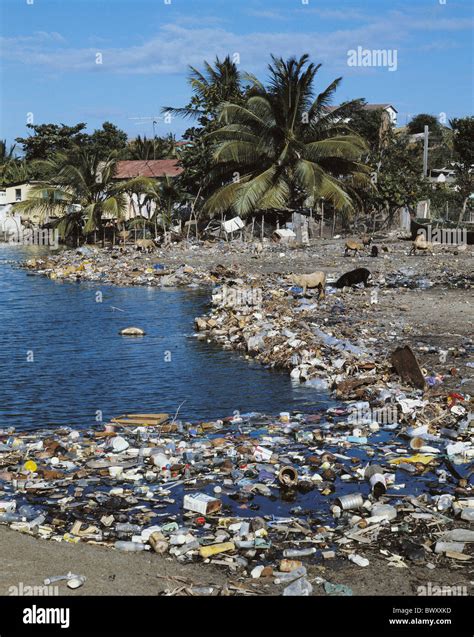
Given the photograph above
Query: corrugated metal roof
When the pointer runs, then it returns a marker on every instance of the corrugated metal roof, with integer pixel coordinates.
(148, 168)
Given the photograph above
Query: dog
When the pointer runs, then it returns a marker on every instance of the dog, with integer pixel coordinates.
(360, 275)
(374, 252)
(147, 245)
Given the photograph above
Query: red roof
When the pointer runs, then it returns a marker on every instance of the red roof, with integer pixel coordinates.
(148, 168)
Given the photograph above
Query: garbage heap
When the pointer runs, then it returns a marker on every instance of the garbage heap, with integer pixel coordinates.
(115, 267)
(264, 496)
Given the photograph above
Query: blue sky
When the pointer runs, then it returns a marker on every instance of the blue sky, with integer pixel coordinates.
(49, 50)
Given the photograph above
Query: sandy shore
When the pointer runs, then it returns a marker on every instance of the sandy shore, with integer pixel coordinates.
(29, 560)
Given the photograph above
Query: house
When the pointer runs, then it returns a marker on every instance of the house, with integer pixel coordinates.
(128, 169)
(15, 193)
(151, 168)
(442, 175)
(154, 168)
(390, 111)
(387, 108)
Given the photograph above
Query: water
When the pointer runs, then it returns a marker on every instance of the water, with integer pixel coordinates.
(62, 361)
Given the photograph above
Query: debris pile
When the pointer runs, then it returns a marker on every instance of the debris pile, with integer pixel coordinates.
(264, 496)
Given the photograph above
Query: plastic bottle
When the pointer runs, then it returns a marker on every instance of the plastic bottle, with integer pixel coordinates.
(301, 588)
(445, 502)
(298, 552)
(125, 527)
(129, 546)
(10, 517)
(37, 521)
(286, 578)
(29, 512)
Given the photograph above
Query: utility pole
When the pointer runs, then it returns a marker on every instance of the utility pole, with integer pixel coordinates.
(322, 218)
(154, 140)
(425, 152)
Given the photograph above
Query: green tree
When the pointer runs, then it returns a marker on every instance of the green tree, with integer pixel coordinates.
(417, 124)
(397, 177)
(48, 139)
(15, 171)
(164, 196)
(371, 125)
(155, 148)
(106, 140)
(284, 148)
(6, 153)
(218, 83)
(80, 186)
(463, 144)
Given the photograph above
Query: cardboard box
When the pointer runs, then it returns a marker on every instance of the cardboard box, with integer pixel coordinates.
(201, 503)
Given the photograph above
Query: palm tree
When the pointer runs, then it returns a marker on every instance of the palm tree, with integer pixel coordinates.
(285, 148)
(156, 148)
(15, 171)
(6, 154)
(163, 196)
(217, 84)
(79, 186)
(12, 170)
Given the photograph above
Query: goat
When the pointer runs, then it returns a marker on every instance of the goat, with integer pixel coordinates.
(420, 243)
(355, 246)
(314, 280)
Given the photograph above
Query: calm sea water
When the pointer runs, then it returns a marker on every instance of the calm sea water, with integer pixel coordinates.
(63, 362)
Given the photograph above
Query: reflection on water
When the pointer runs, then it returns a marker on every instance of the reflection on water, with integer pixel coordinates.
(63, 362)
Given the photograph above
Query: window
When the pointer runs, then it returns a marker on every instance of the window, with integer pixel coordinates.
(17, 194)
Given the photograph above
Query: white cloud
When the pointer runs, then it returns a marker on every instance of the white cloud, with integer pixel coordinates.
(176, 45)
(266, 13)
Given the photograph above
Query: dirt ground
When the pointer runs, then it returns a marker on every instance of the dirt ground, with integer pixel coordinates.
(439, 317)
(29, 561)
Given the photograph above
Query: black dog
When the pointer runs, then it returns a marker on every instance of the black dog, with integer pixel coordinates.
(375, 252)
(360, 275)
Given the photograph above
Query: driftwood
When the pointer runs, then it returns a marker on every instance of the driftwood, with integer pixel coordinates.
(407, 367)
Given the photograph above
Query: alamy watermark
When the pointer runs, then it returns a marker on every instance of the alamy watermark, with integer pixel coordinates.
(431, 590)
(239, 296)
(34, 237)
(386, 415)
(387, 58)
(445, 236)
(24, 590)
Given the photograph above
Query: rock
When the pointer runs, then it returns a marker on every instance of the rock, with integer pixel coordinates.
(201, 324)
(132, 331)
